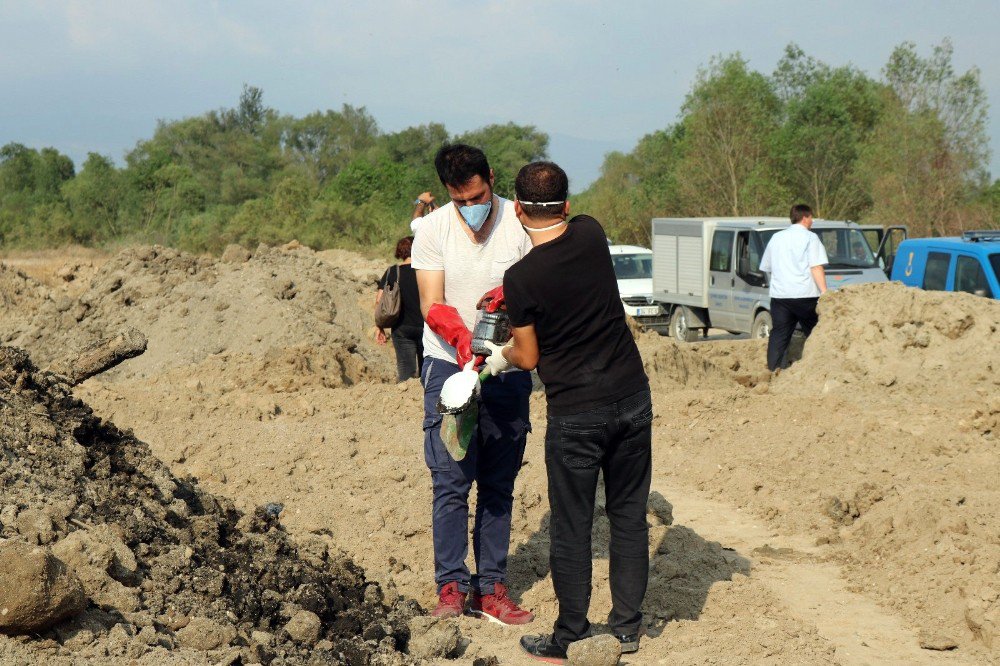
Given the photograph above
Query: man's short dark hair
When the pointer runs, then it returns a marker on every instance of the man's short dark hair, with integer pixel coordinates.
(542, 182)
(459, 163)
(799, 211)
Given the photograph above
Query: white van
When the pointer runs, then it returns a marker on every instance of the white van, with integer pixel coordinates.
(634, 271)
(706, 271)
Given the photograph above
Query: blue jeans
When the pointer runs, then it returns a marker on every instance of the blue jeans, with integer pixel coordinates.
(615, 439)
(493, 461)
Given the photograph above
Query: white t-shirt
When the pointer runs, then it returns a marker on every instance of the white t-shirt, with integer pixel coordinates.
(788, 258)
(415, 224)
(470, 269)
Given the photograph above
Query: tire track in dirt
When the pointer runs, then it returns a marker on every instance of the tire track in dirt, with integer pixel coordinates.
(812, 589)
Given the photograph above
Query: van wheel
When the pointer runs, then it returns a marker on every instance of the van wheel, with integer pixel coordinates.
(761, 325)
(679, 327)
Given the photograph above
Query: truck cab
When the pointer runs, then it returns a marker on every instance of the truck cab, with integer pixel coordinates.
(706, 271)
(634, 271)
(969, 263)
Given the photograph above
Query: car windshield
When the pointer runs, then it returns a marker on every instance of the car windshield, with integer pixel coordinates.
(995, 263)
(633, 266)
(846, 248)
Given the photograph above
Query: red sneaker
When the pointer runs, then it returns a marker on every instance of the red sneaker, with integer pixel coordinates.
(451, 601)
(498, 607)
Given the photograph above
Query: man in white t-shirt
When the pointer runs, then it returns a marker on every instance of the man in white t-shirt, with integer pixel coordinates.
(794, 258)
(460, 252)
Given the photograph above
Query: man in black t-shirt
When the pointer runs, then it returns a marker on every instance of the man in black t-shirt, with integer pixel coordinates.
(568, 320)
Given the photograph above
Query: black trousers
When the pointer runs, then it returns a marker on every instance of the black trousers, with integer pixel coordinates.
(615, 439)
(785, 314)
(408, 342)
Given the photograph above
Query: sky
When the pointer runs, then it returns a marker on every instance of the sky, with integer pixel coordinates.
(95, 76)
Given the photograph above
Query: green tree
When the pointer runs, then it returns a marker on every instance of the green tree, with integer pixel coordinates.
(94, 197)
(52, 169)
(324, 143)
(796, 72)
(829, 114)
(17, 168)
(926, 161)
(730, 118)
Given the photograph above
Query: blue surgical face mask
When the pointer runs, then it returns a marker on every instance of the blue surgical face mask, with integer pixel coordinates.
(475, 215)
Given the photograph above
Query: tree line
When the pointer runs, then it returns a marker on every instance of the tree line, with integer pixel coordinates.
(244, 175)
(908, 148)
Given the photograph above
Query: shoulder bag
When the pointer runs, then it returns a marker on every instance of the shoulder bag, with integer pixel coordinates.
(389, 306)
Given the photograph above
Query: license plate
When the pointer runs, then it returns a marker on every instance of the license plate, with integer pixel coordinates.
(650, 311)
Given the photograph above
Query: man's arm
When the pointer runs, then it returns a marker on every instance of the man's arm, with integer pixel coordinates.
(430, 284)
(523, 353)
(442, 318)
(817, 260)
(423, 205)
(819, 277)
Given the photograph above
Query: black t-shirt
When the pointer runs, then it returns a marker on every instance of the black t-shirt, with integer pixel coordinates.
(409, 315)
(567, 289)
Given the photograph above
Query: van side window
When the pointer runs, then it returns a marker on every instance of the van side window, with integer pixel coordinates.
(936, 271)
(970, 277)
(722, 252)
(748, 260)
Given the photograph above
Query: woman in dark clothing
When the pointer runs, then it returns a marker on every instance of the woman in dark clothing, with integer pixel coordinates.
(408, 332)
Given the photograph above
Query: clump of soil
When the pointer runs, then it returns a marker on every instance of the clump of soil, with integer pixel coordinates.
(195, 308)
(171, 572)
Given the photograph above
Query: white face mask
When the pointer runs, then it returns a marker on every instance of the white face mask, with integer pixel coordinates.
(531, 230)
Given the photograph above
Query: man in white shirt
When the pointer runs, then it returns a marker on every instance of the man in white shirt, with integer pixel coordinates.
(794, 260)
(460, 252)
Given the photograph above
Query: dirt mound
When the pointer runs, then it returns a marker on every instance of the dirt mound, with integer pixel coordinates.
(193, 308)
(172, 573)
(673, 365)
(20, 296)
(897, 339)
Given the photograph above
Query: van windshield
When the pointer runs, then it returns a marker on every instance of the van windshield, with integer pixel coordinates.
(633, 266)
(846, 248)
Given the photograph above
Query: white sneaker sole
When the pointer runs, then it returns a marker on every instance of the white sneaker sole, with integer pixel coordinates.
(487, 616)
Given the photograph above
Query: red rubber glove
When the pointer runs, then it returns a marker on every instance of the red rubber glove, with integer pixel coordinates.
(492, 300)
(446, 322)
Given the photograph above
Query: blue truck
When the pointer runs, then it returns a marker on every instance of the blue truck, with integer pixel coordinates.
(969, 263)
